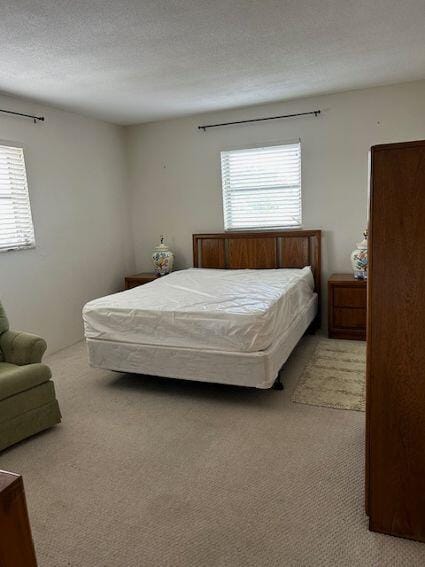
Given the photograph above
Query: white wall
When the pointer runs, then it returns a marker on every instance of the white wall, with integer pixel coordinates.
(175, 169)
(77, 173)
(77, 178)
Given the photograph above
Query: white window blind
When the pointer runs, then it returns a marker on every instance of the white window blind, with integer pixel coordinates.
(16, 228)
(262, 187)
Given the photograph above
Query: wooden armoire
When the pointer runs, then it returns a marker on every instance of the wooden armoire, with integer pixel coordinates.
(395, 408)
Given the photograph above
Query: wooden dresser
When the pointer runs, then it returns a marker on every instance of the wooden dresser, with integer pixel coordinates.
(346, 307)
(395, 408)
(16, 545)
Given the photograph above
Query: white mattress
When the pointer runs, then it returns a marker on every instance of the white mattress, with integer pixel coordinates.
(252, 369)
(227, 310)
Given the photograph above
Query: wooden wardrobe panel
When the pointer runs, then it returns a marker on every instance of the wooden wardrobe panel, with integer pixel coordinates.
(396, 342)
(254, 253)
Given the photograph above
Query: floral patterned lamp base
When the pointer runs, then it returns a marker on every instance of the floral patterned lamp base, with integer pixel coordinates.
(162, 258)
(359, 259)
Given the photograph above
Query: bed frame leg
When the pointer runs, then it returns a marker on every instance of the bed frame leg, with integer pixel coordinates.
(313, 327)
(277, 385)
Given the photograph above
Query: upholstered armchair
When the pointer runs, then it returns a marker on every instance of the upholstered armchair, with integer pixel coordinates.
(27, 394)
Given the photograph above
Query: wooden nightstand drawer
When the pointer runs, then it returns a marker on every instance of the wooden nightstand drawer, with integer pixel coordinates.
(347, 318)
(349, 297)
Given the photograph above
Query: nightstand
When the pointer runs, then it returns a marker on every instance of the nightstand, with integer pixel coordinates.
(347, 307)
(139, 279)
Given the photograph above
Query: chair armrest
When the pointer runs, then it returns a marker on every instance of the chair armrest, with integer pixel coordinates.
(22, 348)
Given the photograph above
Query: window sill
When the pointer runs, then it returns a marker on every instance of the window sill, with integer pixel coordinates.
(267, 229)
(18, 248)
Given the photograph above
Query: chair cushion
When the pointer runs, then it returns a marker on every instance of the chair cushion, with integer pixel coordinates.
(4, 326)
(15, 379)
(4, 323)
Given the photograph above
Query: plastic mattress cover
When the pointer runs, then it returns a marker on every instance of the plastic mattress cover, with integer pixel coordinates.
(252, 369)
(229, 310)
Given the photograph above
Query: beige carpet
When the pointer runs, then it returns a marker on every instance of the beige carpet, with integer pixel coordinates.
(335, 376)
(151, 473)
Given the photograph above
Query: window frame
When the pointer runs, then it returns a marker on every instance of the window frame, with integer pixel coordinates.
(32, 245)
(253, 147)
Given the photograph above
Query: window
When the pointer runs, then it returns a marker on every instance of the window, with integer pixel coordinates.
(16, 228)
(262, 187)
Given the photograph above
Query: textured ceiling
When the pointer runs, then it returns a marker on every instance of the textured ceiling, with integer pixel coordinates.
(129, 61)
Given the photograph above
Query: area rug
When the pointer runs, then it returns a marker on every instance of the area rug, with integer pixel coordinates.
(335, 376)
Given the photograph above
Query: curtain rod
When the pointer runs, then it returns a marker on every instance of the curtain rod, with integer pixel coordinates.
(35, 118)
(312, 112)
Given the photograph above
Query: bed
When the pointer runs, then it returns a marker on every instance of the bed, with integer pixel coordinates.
(233, 319)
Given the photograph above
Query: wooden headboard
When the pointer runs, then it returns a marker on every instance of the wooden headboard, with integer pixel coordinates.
(260, 250)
